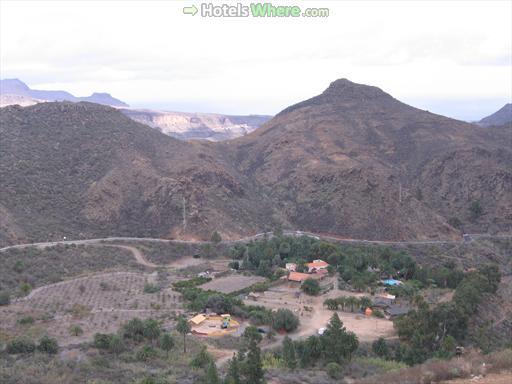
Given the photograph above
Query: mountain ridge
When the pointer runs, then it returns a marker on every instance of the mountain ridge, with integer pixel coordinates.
(17, 87)
(359, 164)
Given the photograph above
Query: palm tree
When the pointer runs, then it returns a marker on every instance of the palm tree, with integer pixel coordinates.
(342, 302)
(352, 301)
(331, 304)
(365, 302)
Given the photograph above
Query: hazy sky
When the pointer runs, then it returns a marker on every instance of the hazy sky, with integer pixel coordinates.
(453, 58)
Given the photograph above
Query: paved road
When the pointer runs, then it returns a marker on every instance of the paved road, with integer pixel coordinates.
(467, 238)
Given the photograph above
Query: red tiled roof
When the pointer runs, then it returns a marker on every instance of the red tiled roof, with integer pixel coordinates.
(297, 276)
(317, 264)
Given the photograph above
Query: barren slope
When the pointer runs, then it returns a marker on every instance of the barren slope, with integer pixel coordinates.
(79, 170)
(357, 162)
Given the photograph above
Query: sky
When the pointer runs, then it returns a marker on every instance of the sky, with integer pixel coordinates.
(449, 57)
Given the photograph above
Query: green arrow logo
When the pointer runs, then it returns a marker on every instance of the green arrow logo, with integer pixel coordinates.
(190, 10)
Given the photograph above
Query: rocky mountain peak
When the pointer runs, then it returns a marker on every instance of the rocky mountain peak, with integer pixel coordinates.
(346, 89)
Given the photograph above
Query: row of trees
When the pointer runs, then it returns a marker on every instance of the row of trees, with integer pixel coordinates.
(345, 302)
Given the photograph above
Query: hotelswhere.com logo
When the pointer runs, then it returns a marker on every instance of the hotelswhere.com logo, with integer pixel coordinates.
(253, 10)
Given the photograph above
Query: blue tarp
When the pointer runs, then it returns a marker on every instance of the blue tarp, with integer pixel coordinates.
(392, 282)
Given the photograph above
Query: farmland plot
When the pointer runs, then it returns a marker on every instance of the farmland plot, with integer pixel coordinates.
(232, 283)
(99, 303)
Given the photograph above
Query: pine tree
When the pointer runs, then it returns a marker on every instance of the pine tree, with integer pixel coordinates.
(233, 376)
(212, 376)
(254, 368)
(289, 353)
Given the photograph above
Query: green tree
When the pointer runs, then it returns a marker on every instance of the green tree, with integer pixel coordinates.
(338, 344)
(289, 356)
(365, 302)
(216, 237)
(212, 376)
(151, 330)
(311, 287)
(251, 333)
(285, 320)
(380, 348)
(201, 359)
(331, 304)
(166, 343)
(134, 329)
(48, 345)
(183, 327)
(253, 368)
(233, 376)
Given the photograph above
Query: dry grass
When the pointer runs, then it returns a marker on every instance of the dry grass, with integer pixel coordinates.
(435, 371)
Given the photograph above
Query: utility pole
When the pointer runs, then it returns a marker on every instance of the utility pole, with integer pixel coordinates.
(184, 214)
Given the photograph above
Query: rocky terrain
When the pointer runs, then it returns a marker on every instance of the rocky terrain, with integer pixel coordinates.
(82, 170)
(352, 161)
(501, 117)
(14, 91)
(356, 162)
(209, 126)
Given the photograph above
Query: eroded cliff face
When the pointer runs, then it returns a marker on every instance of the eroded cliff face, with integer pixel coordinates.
(208, 126)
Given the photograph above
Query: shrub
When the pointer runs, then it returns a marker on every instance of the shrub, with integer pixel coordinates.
(48, 345)
(146, 353)
(20, 345)
(234, 265)
(201, 359)
(334, 370)
(378, 313)
(216, 238)
(5, 299)
(75, 330)
(284, 320)
(25, 288)
(26, 320)
(102, 340)
(151, 288)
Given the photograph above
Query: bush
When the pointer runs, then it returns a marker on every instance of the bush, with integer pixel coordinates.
(334, 370)
(20, 345)
(378, 313)
(5, 299)
(75, 330)
(201, 359)
(146, 353)
(48, 345)
(151, 288)
(26, 320)
(102, 340)
(285, 320)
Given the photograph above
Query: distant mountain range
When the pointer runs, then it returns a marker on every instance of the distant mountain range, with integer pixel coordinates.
(501, 117)
(352, 161)
(181, 125)
(15, 87)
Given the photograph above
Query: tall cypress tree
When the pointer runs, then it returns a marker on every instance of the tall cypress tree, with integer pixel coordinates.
(253, 367)
(233, 376)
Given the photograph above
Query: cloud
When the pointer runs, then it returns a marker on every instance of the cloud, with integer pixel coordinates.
(149, 53)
